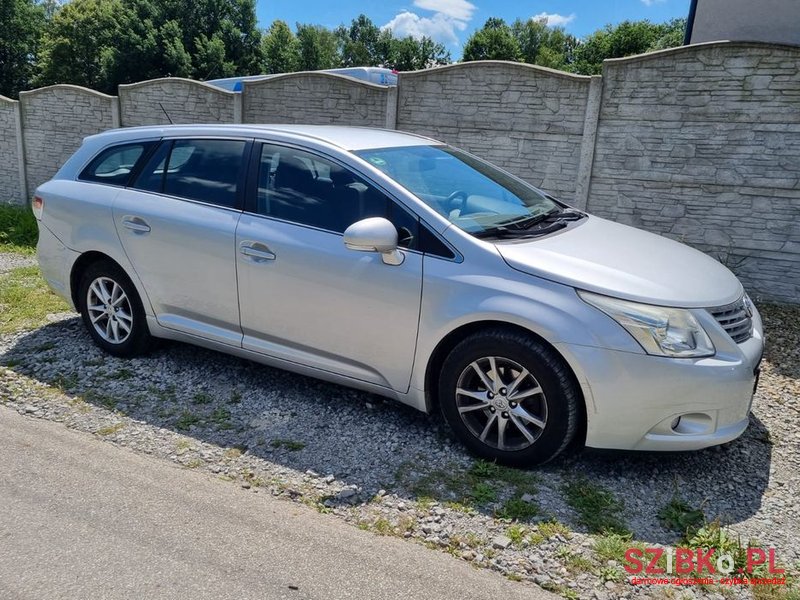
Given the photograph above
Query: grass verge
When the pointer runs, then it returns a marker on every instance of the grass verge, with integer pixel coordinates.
(509, 491)
(25, 300)
(597, 508)
(18, 230)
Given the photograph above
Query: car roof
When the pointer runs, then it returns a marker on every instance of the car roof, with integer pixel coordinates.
(344, 137)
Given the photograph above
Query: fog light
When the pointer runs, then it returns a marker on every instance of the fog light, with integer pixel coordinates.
(675, 422)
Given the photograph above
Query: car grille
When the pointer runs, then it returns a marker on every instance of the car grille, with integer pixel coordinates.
(736, 320)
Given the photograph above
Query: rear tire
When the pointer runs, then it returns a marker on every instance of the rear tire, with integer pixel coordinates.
(509, 398)
(112, 310)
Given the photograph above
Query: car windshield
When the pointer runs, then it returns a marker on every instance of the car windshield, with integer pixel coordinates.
(470, 193)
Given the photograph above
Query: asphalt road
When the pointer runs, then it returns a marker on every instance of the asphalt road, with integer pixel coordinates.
(81, 518)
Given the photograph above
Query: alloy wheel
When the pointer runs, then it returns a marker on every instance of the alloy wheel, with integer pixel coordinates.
(501, 403)
(109, 310)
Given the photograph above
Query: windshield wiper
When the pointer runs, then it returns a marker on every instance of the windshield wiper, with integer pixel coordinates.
(552, 220)
(529, 222)
(499, 231)
(502, 232)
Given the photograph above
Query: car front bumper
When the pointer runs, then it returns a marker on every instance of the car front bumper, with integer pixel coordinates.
(633, 400)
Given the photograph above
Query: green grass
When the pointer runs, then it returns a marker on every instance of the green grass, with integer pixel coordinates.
(18, 230)
(517, 509)
(221, 417)
(25, 300)
(680, 517)
(186, 420)
(597, 508)
(290, 445)
(122, 374)
(612, 546)
(517, 534)
(110, 429)
(202, 398)
(482, 484)
(99, 398)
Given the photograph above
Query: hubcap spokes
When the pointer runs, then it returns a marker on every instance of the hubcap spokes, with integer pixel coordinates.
(109, 310)
(501, 403)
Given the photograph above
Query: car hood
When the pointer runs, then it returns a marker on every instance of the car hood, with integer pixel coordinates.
(616, 260)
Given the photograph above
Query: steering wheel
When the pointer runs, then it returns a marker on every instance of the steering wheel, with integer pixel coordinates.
(452, 206)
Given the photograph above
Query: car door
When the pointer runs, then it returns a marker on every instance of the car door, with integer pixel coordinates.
(306, 298)
(177, 223)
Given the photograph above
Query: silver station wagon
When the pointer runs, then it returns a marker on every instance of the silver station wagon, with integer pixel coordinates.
(402, 266)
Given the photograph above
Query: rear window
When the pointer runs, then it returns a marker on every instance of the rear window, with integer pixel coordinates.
(113, 166)
(204, 170)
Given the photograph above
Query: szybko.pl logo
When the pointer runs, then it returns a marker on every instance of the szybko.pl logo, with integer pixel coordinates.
(686, 566)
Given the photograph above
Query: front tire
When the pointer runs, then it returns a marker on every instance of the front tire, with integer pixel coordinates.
(509, 398)
(112, 310)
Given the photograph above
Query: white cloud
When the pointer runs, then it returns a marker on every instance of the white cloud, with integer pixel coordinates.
(440, 27)
(557, 20)
(460, 10)
(448, 18)
(651, 2)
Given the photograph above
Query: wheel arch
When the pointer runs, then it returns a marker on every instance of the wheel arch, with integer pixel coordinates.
(460, 333)
(83, 262)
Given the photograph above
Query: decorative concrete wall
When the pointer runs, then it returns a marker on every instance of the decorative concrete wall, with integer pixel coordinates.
(528, 119)
(184, 100)
(700, 143)
(314, 98)
(12, 166)
(703, 144)
(55, 120)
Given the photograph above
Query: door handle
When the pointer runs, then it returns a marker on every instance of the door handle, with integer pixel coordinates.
(258, 252)
(135, 224)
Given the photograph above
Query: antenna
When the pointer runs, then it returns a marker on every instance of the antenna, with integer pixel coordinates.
(166, 114)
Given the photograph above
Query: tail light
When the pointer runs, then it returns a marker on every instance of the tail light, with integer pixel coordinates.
(38, 207)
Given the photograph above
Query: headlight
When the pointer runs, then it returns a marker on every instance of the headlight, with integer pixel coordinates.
(661, 331)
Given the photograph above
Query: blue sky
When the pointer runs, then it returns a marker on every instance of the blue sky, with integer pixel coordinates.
(451, 21)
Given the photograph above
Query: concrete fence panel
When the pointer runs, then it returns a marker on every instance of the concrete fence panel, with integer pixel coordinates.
(702, 144)
(55, 120)
(157, 101)
(12, 164)
(528, 119)
(314, 98)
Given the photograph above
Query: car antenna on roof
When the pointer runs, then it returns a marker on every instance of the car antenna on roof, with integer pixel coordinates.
(166, 114)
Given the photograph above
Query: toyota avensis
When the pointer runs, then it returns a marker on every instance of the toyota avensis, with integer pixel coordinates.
(402, 266)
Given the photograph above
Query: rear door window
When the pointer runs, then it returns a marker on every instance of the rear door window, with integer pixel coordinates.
(113, 166)
(206, 170)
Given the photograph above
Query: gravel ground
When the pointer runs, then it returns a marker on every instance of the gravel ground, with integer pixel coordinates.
(10, 260)
(388, 468)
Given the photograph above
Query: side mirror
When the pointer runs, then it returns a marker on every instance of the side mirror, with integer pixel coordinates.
(374, 234)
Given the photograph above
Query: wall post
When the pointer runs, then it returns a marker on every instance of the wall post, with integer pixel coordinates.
(391, 106)
(238, 101)
(593, 101)
(23, 177)
(115, 113)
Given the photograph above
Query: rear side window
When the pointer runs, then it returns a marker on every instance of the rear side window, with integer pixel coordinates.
(204, 170)
(114, 165)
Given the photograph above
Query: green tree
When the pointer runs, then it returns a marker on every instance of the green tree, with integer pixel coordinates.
(494, 41)
(672, 35)
(102, 43)
(21, 25)
(210, 59)
(78, 45)
(626, 39)
(281, 49)
(360, 44)
(542, 45)
(318, 48)
(411, 54)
